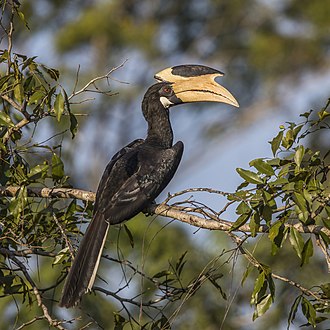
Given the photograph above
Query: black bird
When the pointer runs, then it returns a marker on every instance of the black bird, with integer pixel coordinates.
(139, 172)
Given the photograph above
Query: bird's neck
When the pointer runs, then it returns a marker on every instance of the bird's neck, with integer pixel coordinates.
(159, 127)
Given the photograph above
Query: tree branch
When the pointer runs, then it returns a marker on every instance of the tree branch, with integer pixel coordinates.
(17, 127)
(93, 81)
(11, 191)
(182, 214)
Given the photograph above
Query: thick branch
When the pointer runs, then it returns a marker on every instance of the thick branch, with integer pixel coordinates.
(158, 209)
(11, 191)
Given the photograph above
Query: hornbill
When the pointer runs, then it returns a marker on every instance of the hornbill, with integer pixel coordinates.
(139, 172)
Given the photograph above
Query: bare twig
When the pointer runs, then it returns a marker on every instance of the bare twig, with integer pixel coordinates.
(67, 241)
(37, 318)
(12, 102)
(10, 37)
(53, 322)
(93, 81)
(323, 247)
(27, 252)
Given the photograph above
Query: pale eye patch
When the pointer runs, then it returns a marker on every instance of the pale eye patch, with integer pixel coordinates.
(165, 102)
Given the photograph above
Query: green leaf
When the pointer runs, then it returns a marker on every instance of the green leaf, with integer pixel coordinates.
(259, 283)
(18, 203)
(262, 166)
(296, 241)
(249, 176)
(248, 270)
(5, 120)
(163, 273)
(243, 208)
(53, 73)
(4, 82)
(57, 167)
(38, 171)
(130, 236)
(309, 311)
(254, 224)
(287, 140)
(296, 130)
(213, 280)
(277, 234)
(325, 238)
(36, 97)
(180, 263)
(301, 206)
(119, 321)
(263, 306)
(299, 155)
(59, 106)
(61, 255)
(307, 252)
(22, 18)
(293, 310)
(267, 213)
(278, 182)
(269, 199)
(323, 114)
(275, 143)
(326, 289)
(73, 125)
(19, 91)
(271, 285)
(274, 230)
(242, 219)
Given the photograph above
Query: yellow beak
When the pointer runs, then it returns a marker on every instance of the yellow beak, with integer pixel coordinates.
(196, 83)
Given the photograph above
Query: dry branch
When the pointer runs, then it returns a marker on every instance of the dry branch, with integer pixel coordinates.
(171, 211)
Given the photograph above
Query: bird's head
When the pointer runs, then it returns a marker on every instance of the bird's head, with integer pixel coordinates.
(191, 83)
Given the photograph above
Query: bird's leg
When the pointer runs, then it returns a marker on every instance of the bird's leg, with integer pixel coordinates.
(146, 211)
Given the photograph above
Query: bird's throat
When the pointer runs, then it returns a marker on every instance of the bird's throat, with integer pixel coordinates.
(159, 128)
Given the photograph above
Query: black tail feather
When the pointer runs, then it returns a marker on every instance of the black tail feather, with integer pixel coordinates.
(84, 267)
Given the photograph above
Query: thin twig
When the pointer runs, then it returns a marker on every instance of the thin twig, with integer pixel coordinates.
(321, 244)
(10, 37)
(53, 322)
(12, 102)
(93, 81)
(67, 241)
(37, 318)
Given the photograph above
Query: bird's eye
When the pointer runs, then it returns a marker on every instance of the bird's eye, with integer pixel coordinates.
(166, 90)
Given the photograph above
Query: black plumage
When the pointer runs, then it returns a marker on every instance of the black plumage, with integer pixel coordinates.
(132, 180)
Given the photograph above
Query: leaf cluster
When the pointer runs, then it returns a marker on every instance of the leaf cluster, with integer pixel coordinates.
(286, 196)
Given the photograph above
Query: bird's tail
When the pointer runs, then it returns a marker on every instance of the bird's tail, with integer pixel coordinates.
(82, 274)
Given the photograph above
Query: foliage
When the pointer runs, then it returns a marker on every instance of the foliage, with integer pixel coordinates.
(290, 197)
(284, 200)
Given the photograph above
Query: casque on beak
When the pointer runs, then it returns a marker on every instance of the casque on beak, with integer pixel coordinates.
(196, 83)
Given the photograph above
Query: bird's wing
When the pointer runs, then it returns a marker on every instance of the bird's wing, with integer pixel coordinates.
(154, 170)
(83, 270)
(107, 176)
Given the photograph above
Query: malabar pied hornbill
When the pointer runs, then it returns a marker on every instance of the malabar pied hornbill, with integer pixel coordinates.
(139, 172)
